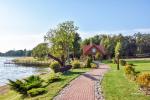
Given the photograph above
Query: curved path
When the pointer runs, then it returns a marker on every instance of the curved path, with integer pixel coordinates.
(83, 87)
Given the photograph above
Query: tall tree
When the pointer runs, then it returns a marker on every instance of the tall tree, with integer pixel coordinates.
(76, 45)
(61, 38)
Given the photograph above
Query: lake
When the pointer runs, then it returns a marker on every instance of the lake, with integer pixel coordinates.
(13, 72)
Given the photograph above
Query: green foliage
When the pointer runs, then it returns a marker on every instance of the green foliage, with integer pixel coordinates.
(17, 53)
(93, 65)
(114, 61)
(75, 64)
(54, 77)
(41, 50)
(54, 65)
(108, 44)
(129, 69)
(98, 56)
(36, 91)
(62, 38)
(76, 46)
(23, 86)
(122, 62)
(118, 49)
(130, 72)
(89, 61)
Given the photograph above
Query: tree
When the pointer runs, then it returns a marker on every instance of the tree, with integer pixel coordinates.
(108, 44)
(76, 45)
(117, 53)
(41, 50)
(61, 39)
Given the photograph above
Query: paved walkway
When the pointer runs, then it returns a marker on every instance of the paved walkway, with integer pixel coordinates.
(83, 87)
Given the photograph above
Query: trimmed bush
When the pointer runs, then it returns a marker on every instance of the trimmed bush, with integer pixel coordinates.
(54, 77)
(89, 61)
(129, 69)
(144, 81)
(36, 91)
(75, 64)
(122, 62)
(55, 65)
(97, 56)
(130, 72)
(93, 65)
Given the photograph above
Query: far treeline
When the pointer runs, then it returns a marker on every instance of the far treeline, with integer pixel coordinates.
(64, 41)
(17, 53)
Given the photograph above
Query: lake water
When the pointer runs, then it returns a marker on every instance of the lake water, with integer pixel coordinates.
(14, 72)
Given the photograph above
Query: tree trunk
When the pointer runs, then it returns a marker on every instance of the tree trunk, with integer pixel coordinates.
(56, 59)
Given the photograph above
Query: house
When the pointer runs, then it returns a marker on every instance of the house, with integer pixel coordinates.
(92, 49)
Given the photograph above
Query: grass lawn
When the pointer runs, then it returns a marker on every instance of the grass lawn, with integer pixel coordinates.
(117, 87)
(53, 88)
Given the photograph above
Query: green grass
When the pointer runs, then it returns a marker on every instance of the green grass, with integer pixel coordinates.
(117, 87)
(53, 88)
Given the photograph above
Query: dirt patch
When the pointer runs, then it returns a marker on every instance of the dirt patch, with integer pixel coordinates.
(4, 89)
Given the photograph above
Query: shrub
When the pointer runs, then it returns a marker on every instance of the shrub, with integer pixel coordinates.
(22, 86)
(54, 65)
(130, 72)
(75, 64)
(122, 62)
(54, 77)
(97, 56)
(144, 80)
(93, 65)
(89, 61)
(129, 69)
(36, 91)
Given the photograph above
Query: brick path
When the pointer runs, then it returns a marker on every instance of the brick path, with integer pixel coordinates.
(83, 87)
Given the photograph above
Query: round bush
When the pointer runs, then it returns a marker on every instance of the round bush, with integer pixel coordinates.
(122, 62)
(54, 65)
(129, 69)
(93, 65)
(98, 56)
(144, 79)
(89, 61)
(75, 64)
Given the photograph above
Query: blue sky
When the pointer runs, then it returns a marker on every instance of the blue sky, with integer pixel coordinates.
(23, 23)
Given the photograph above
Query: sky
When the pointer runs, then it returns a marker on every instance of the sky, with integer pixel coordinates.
(23, 23)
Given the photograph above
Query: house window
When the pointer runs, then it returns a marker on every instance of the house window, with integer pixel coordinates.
(93, 50)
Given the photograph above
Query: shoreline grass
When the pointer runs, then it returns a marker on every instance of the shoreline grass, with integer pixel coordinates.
(30, 61)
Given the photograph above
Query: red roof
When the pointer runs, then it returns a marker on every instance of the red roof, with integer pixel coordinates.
(87, 48)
